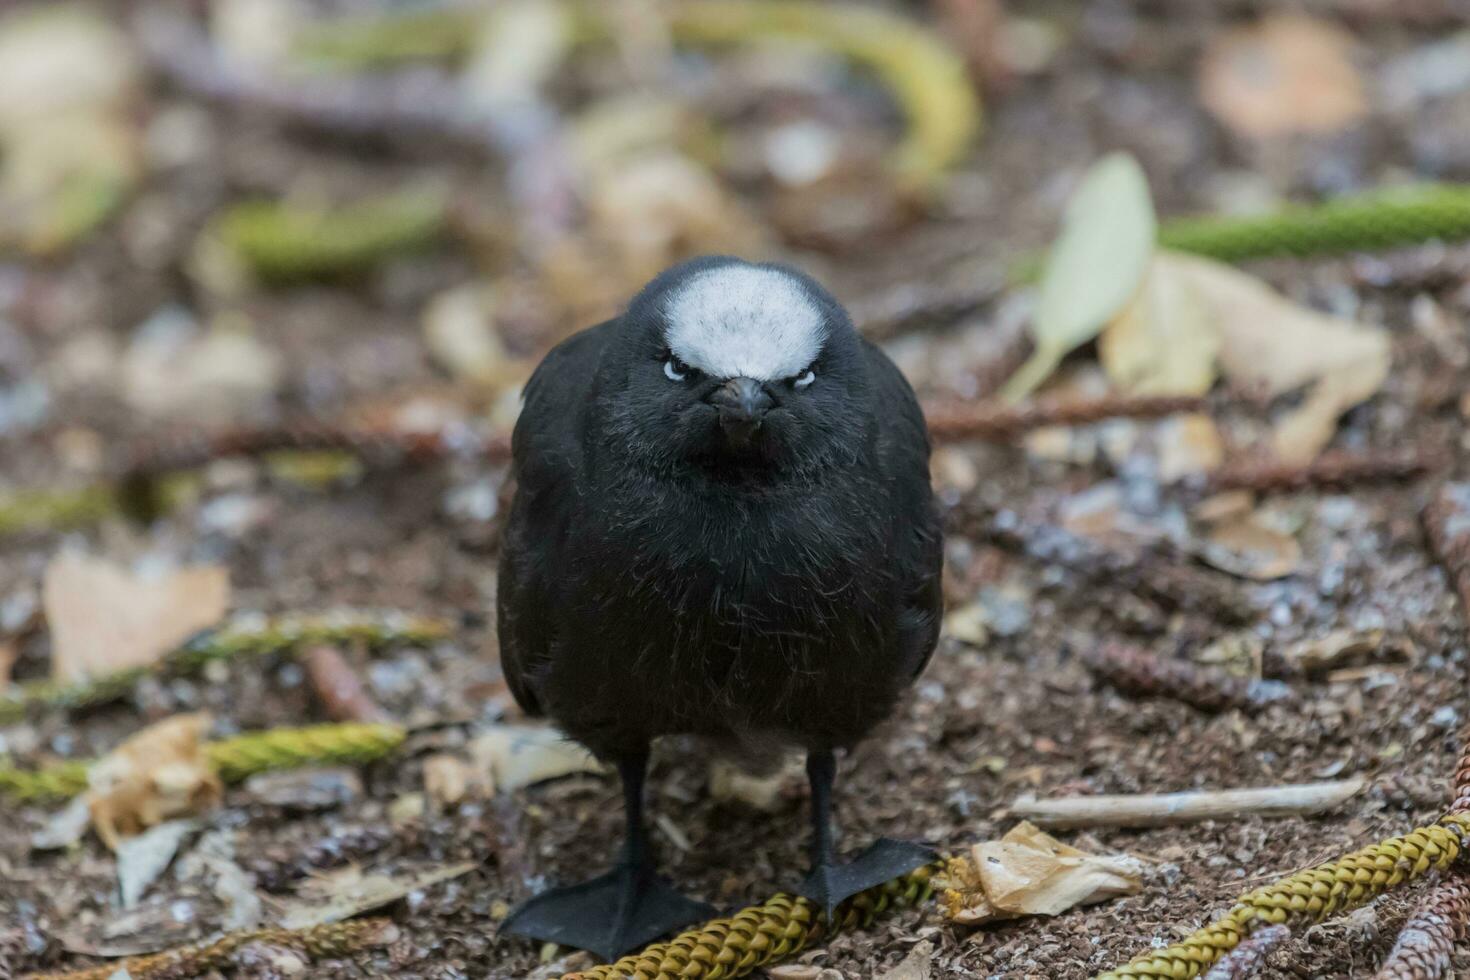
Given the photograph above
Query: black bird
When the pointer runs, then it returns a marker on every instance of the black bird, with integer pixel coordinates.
(723, 526)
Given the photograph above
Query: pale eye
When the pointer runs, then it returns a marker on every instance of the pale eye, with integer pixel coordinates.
(672, 372)
(805, 379)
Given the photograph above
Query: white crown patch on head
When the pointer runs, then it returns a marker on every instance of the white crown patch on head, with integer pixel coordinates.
(744, 321)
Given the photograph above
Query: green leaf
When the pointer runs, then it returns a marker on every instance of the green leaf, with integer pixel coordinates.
(1095, 266)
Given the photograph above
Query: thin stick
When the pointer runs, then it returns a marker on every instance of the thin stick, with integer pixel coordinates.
(1177, 808)
(1330, 470)
(995, 421)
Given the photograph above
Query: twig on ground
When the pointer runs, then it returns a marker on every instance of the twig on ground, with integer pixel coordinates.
(338, 686)
(914, 306)
(378, 448)
(1331, 470)
(989, 420)
(1137, 671)
(1176, 808)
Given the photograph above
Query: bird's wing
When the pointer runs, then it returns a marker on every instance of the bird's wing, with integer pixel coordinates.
(546, 461)
(918, 549)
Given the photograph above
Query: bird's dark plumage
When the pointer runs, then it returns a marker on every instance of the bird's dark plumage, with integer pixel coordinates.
(723, 522)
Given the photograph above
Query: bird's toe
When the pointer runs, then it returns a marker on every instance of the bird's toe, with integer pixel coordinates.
(829, 885)
(610, 915)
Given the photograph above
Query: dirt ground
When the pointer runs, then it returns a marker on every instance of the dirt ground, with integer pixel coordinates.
(1014, 715)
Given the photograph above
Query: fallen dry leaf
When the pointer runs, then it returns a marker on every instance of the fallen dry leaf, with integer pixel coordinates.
(141, 859)
(1251, 548)
(1337, 648)
(104, 619)
(449, 779)
(1165, 341)
(1029, 872)
(174, 369)
(916, 966)
(158, 773)
(728, 781)
(1270, 343)
(1286, 74)
(343, 894)
(520, 755)
(967, 624)
(64, 827)
(1239, 654)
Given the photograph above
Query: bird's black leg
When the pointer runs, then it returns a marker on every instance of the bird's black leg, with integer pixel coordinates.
(829, 882)
(621, 910)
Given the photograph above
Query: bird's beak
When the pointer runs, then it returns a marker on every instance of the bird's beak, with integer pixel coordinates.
(742, 403)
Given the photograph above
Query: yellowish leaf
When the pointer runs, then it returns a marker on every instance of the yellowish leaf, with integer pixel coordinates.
(1095, 266)
(1164, 342)
(1029, 872)
(1287, 74)
(104, 619)
(161, 772)
(1270, 343)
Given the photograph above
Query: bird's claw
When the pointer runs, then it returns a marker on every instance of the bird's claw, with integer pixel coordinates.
(610, 915)
(830, 884)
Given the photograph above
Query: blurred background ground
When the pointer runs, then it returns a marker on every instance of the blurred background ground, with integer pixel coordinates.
(528, 182)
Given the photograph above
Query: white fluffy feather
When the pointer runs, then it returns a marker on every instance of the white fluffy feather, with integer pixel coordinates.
(743, 321)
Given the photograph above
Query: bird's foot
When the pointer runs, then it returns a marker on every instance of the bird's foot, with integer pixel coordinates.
(830, 884)
(610, 915)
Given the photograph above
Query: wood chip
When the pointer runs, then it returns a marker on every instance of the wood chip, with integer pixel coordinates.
(1178, 808)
